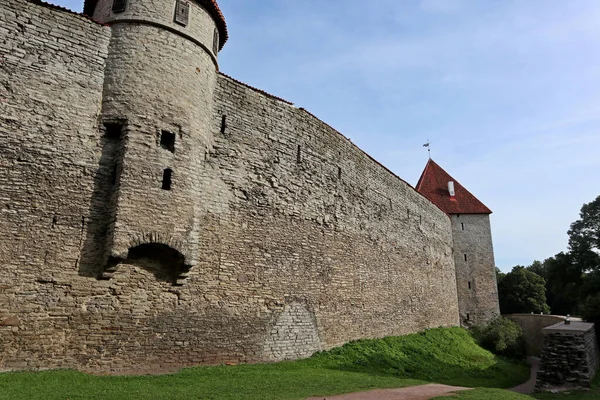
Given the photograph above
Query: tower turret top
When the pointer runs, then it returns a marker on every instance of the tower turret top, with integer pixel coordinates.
(210, 6)
(445, 192)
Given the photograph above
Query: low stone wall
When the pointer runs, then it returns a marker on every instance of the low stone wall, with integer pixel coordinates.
(532, 325)
(569, 358)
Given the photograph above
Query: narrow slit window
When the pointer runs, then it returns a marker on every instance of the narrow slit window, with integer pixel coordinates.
(468, 317)
(298, 155)
(469, 284)
(119, 6)
(113, 133)
(167, 179)
(223, 124)
(113, 174)
(167, 141)
(465, 257)
(339, 172)
(462, 226)
(182, 12)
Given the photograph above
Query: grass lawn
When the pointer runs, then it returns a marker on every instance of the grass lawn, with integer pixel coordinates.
(592, 394)
(444, 355)
(486, 394)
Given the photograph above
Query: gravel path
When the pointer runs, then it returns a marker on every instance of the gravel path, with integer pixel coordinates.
(423, 392)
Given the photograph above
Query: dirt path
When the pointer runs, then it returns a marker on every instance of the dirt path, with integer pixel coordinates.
(529, 386)
(423, 392)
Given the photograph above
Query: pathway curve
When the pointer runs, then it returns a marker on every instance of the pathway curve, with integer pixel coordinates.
(529, 386)
(422, 392)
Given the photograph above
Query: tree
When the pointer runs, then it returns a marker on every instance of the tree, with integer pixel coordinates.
(499, 275)
(522, 291)
(563, 284)
(584, 246)
(584, 237)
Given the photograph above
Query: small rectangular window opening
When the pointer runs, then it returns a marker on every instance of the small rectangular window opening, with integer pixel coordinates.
(223, 124)
(298, 155)
(468, 317)
(167, 141)
(339, 172)
(465, 257)
(167, 178)
(462, 226)
(469, 284)
(182, 12)
(119, 6)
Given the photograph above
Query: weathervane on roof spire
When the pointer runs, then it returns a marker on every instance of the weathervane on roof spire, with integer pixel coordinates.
(428, 148)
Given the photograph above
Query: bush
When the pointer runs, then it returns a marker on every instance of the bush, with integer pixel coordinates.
(501, 336)
(591, 308)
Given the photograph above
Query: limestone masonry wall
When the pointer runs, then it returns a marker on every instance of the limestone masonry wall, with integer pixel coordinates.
(569, 357)
(532, 326)
(475, 268)
(295, 239)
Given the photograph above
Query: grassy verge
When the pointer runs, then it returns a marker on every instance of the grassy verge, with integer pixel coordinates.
(485, 394)
(592, 394)
(445, 355)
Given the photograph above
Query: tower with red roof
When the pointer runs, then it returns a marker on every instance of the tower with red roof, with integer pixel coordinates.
(472, 243)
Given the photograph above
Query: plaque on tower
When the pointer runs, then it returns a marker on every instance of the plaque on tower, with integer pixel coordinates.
(182, 12)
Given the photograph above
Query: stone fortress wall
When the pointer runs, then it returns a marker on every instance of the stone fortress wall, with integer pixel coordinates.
(275, 238)
(475, 268)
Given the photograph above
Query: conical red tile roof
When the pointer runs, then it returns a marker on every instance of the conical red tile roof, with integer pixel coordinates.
(433, 184)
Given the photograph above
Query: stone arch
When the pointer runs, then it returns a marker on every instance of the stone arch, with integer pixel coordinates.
(165, 262)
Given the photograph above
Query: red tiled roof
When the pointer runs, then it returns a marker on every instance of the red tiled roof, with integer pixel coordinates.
(433, 184)
(210, 6)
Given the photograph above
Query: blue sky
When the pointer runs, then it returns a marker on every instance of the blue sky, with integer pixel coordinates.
(508, 93)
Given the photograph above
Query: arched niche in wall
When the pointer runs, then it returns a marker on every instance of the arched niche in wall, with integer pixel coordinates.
(164, 262)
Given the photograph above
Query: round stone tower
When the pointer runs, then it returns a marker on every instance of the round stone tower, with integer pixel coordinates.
(156, 111)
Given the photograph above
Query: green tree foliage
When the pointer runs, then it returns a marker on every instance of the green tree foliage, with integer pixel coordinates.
(499, 275)
(501, 336)
(584, 246)
(584, 237)
(573, 278)
(563, 283)
(522, 291)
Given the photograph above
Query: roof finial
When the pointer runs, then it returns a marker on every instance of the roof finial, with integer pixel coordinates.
(428, 148)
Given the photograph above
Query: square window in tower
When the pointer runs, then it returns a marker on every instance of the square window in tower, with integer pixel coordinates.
(167, 141)
(119, 6)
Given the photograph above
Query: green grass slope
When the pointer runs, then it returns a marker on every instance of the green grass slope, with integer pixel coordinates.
(444, 355)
